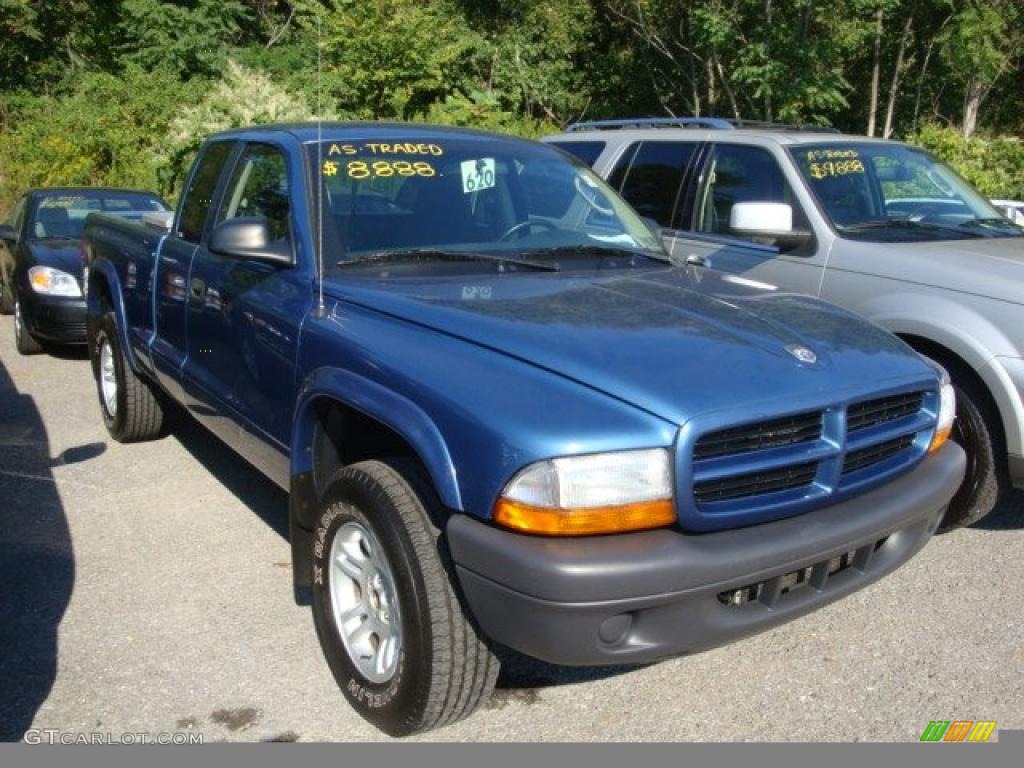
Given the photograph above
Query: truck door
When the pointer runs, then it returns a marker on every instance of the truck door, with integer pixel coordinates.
(735, 173)
(169, 347)
(244, 317)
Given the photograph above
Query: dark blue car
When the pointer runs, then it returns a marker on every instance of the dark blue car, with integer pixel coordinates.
(41, 281)
(504, 415)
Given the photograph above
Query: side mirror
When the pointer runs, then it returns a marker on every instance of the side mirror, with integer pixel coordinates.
(772, 221)
(7, 233)
(249, 238)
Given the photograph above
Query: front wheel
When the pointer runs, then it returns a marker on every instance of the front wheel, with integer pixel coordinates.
(24, 341)
(985, 480)
(394, 634)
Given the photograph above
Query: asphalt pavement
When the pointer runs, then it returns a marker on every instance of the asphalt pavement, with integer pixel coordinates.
(147, 589)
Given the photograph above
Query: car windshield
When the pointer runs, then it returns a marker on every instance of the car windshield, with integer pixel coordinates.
(63, 214)
(469, 199)
(896, 193)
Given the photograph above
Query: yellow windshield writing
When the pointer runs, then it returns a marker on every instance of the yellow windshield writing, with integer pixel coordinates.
(379, 148)
(380, 169)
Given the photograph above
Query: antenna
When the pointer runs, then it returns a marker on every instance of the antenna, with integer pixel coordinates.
(318, 175)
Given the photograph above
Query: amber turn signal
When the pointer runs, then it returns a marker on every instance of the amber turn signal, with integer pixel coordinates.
(939, 440)
(547, 521)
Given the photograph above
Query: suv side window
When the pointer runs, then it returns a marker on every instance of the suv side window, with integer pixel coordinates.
(259, 188)
(649, 177)
(737, 173)
(587, 151)
(199, 196)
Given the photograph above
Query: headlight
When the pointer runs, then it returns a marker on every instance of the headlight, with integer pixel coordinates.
(586, 495)
(53, 282)
(947, 412)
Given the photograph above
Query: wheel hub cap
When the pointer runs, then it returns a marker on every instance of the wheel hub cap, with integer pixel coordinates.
(364, 602)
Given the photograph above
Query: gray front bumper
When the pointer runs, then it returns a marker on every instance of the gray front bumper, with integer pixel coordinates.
(640, 597)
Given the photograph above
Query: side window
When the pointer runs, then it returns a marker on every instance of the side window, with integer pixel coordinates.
(651, 183)
(259, 188)
(741, 174)
(199, 195)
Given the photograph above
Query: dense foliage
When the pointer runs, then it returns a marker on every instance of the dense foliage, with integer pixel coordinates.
(120, 92)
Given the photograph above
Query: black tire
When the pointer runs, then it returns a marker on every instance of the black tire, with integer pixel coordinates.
(445, 669)
(24, 341)
(977, 431)
(138, 413)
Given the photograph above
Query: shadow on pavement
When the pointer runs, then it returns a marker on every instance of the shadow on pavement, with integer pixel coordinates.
(252, 487)
(1008, 516)
(37, 563)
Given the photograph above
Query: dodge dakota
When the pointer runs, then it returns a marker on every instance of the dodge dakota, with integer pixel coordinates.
(504, 416)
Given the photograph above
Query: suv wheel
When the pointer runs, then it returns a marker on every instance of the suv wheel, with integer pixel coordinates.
(132, 410)
(976, 431)
(392, 628)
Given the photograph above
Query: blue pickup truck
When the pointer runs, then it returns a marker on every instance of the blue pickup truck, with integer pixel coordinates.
(504, 417)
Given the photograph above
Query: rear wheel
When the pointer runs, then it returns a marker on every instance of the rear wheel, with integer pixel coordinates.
(976, 430)
(132, 410)
(26, 343)
(392, 628)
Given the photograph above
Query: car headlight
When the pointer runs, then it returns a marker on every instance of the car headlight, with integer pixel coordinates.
(587, 495)
(947, 412)
(53, 282)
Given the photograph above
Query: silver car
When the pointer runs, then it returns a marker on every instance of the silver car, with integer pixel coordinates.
(880, 227)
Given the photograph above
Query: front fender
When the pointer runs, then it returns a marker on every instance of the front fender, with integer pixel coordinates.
(966, 333)
(103, 272)
(387, 407)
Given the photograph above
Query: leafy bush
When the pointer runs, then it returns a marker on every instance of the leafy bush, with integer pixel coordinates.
(994, 165)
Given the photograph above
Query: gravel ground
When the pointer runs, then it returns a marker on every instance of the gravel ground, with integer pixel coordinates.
(147, 588)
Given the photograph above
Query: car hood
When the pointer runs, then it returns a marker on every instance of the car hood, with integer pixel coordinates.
(58, 253)
(675, 342)
(990, 267)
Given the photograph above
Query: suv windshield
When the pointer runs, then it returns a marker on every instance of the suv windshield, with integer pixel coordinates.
(478, 197)
(896, 193)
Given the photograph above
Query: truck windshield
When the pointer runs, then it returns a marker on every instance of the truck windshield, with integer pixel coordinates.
(896, 193)
(464, 195)
(62, 214)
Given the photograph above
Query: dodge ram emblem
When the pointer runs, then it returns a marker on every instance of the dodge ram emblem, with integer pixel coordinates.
(803, 354)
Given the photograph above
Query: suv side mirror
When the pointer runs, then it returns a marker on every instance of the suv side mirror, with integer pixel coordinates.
(7, 233)
(249, 238)
(767, 220)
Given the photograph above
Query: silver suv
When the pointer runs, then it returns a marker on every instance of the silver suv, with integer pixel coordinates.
(880, 227)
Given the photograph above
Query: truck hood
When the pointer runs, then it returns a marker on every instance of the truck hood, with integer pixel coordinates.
(675, 342)
(989, 267)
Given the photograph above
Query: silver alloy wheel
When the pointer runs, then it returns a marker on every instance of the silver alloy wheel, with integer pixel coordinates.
(108, 378)
(364, 602)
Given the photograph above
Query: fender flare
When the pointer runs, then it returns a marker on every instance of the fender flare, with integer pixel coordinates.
(384, 405)
(102, 269)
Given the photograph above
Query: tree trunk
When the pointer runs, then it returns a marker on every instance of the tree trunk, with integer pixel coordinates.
(897, 77)
(876, 71)
(973, 95)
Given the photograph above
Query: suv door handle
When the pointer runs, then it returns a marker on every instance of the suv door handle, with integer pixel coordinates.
(197, 288)
(696, 260)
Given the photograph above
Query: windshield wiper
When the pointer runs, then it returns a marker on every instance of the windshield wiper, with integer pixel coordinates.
(863, 226)
(590, 251)
(991, 221)
(434, 254)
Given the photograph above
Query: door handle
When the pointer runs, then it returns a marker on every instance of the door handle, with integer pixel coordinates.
(197, 288)
(696, 260)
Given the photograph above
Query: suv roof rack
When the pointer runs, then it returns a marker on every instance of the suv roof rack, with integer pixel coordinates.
(713, 123)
